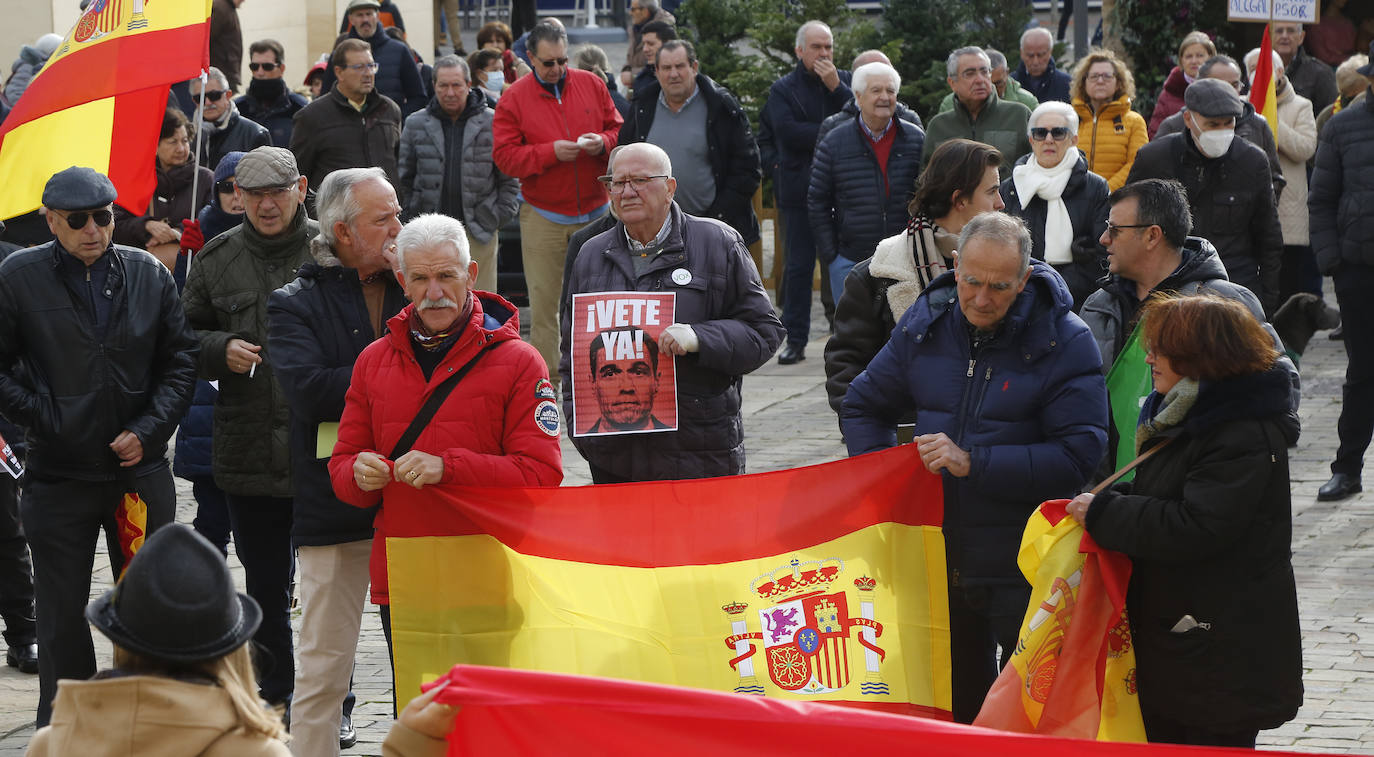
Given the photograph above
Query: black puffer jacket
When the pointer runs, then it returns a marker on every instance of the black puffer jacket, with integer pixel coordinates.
(1341, 193)
(330, 134)
(852, 206)
(1085, 196)
(1208, 525)
(1232, 199)
(74, 393)
(1251, 127)
(733, 153)
(317, 326)
(724, 302)
(797, 104)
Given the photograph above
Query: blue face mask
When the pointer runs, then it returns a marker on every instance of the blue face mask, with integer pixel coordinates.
(496, 81)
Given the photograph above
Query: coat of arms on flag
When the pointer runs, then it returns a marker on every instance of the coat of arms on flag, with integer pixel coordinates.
(105, 16)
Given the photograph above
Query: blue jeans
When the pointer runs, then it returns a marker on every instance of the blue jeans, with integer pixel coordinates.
(839, 271)
(796, 276)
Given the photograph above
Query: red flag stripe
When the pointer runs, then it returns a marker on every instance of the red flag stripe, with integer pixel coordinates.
(137, 122)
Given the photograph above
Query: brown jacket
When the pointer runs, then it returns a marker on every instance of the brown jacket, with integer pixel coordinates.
(148, 716)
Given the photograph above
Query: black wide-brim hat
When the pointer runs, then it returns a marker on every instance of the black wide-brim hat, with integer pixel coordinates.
(176, 601)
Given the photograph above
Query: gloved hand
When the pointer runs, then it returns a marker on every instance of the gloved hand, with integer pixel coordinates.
(192, 239)
(678, 339)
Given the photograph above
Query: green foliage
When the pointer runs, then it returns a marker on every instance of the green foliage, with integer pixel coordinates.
(1150, 32)
(925, 31)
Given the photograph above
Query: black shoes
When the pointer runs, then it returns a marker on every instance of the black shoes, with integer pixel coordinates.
(791, 355)
(347, 736)
(24, 657)
(1340, 486)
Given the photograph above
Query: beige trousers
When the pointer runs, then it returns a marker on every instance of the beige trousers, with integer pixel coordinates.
(543, 247)
(484, 255)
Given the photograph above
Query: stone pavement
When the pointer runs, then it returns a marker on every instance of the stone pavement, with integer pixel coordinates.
(788, 424)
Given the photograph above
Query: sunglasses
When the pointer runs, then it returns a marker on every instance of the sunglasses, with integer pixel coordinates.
(77, 220)
(268, 67)
(212, 95)
(1058, 133)
(225, 187)
(552, 62)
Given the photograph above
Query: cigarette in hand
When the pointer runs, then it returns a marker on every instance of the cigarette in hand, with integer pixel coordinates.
(252, 369)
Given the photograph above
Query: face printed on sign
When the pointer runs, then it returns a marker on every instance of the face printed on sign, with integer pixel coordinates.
(624, 370)
(623, 382)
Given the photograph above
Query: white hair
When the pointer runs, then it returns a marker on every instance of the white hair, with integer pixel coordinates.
(1252, 59)
(1054, 107)
(337, 198)
(808, 26)
(868, 71)
(217, 75)
(1037, 30)
(663, 164)
(433, 230)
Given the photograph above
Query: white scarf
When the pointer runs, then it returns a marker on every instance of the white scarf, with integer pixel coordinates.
(1034, 180)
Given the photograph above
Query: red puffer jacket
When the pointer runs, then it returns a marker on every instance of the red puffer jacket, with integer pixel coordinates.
(499, 426)
(528, 121)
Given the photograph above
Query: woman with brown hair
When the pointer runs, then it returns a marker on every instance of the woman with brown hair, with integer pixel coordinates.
(959, 183)
(1102, 90)
(1208, 524)
(1193, 51)
(496, 36)
(159, 229)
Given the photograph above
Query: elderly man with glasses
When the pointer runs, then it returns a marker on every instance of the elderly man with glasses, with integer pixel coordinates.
(97, 364)
(979, 114)
(552, 131)
(723, 323)
(223, 128)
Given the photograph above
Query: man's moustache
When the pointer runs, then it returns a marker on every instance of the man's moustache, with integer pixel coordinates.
(442, 302)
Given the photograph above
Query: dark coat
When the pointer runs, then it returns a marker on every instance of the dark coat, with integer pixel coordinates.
(725, 305)
(172, 203)
(1312, 79)
(1030, 408)
(274, 115)
(797, 104)
(1341, 193)
(226, 41)
(398, 76)
(1207, 524)
(1085, 196)
(851, 205)
(1232, 199)
(74, 392)
(329, 134)
(1251, 127)
(317, 326)
(1051, 85)
(733, 153)
(851, 110)
(238, 135)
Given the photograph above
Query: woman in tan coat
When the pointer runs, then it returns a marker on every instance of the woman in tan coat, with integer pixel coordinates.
(183, 680)
(1109, 132)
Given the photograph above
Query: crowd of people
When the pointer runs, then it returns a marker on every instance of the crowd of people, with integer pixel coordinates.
(311, 298)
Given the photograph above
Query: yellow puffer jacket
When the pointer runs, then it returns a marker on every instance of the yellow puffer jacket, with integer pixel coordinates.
(1111, 139)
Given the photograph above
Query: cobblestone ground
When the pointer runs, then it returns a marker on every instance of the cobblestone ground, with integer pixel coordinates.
(788, 424)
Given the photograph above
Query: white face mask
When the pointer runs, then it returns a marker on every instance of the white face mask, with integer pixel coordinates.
(1215, 143)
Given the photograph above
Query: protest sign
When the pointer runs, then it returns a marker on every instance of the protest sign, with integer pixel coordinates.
(621, 382)
(1297, 11)
(9, 462)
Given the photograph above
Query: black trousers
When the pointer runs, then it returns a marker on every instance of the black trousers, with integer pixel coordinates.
(982, 618)
(62, 519)
(262, 541)
(1161, 731)
(16, 572)
(1354, 283)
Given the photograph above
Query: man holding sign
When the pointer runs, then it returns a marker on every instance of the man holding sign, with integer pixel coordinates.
(665, 314)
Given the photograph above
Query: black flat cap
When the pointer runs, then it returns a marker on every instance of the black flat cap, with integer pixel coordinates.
(1212, 98)
(78, 188)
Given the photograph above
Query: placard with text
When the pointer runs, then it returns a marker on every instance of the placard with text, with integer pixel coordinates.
(622, 383)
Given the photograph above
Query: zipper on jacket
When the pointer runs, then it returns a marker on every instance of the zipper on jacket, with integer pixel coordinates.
(1092, 159)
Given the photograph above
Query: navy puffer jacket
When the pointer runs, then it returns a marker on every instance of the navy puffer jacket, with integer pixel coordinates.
(1030, 408)
(1342, 189)
(852, 208)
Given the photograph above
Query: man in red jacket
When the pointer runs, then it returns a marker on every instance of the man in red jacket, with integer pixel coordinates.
(498, 426)
(552, 132)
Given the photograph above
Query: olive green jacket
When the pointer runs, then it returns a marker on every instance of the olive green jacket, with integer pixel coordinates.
(1001, 124)
(1014, 94)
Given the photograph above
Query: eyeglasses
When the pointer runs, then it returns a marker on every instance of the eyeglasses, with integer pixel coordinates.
(361, 67)
(274, 193)
(552, 62)
(77, 220)
(268, 66)
(1113, 229)
(969, 74)
(1102, 77)
(213, 95)
(1058, 133)
(617, 186)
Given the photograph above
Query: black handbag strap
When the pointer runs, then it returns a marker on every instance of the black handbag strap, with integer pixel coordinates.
(432, 404)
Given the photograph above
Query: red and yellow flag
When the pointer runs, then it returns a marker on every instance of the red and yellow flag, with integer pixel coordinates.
(100, 99)
(824, 583)
(1073, 671)
(1262, 85)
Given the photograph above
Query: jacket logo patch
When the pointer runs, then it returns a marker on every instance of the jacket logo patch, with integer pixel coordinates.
(544, 390)
(546, 417)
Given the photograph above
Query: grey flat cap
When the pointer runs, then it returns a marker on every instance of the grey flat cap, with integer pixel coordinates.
(78, 188)
(267, 167)
(1212, 98)
(358, 5)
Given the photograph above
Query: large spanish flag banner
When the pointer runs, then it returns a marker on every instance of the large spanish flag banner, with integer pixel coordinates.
(1073, 671)
(100, 99)
(1263, 94)
(824, 583)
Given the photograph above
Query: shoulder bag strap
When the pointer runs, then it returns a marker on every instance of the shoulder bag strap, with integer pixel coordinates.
(1131, 466)
(432, 404)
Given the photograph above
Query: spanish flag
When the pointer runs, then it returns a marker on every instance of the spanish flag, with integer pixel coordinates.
(1262, 93)
(100, 99)
(824, 583)
(1073, 670)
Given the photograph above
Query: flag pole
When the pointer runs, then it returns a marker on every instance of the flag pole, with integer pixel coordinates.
(195, 174)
